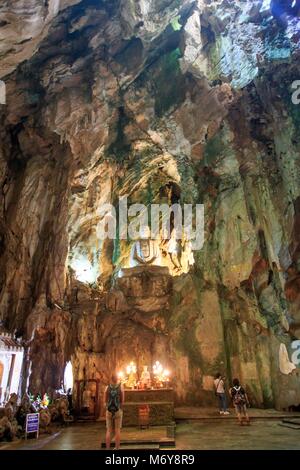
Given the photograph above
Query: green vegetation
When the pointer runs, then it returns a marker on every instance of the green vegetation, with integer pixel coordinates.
(176, 24)
(189, 191)
(188, 344)
(119, 148)
(168, 83)
(117, 248)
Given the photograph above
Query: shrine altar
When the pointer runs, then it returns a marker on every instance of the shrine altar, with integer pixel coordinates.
(160, 403)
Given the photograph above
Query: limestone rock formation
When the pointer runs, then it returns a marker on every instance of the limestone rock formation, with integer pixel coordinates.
(163, 102)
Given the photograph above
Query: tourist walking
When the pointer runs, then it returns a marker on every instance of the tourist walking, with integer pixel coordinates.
(240, 401)
(219, 384)
(114, 400)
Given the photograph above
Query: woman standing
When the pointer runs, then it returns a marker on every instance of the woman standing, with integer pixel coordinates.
(219, 384)
(240, 401)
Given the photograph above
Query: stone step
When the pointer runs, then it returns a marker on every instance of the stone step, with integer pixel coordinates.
(292, 421)
(141, 447)
(290, 425)
(141, 403)
(196, 415)
(138, 447)
(87, 419)
(145, 443)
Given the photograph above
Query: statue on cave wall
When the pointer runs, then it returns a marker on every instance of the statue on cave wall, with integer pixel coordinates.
(145, 251)
(286, 367)
(175, 252)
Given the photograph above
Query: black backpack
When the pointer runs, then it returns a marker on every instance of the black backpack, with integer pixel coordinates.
(114, 394)
(238, 396)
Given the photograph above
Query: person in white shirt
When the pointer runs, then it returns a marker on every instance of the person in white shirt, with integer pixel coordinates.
(219, 384)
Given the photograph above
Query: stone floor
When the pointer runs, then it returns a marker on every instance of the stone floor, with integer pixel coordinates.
(196, 413)
(261, 435)
(204, 434)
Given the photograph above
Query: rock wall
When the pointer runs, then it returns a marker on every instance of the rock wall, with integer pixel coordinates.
(162, 101)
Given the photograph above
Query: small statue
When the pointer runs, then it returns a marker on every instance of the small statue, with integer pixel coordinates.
(86, 400)
(9, 411)
(174, 250)
(131, 382)
(285, 365)
(131, 371)
(62, 407)
(145, 377)
(53, 412)
(24, 409)
(45, 401)
(188, 253)
(9, 424)
(26, 403)
(13, 400)
(45, 418)
(7, 430)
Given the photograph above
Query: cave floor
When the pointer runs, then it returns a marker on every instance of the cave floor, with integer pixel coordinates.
(217, 433)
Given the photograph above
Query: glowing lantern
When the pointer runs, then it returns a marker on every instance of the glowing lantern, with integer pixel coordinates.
(121, 376)
(157, 368)
(131, 368)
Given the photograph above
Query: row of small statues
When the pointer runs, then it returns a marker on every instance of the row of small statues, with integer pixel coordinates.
(158, 380)
(13, 416)
(150, 385)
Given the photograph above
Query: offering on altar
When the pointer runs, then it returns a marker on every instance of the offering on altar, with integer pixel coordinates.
(45, 401)
(159, 379)
(161, 375)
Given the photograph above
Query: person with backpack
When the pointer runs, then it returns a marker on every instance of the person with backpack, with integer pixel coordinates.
(240, 401)
(219, 384)
(114, 400)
